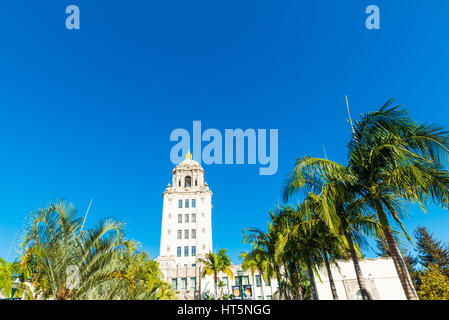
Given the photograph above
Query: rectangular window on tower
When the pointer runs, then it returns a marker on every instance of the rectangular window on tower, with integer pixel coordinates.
(187, 203)
(179, 218)
(179, 234)
(174, 283)
(178, 251)
(193, 217)
(186, 251)
(193, 251)
(186, 234)
(186, 218)
(193, 233)
(193, 203)
(183, 283)
(179, 203)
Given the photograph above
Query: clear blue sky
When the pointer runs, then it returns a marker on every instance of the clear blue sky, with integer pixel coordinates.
(87, 114)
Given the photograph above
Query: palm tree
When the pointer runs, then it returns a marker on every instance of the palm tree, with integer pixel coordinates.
(213, 263)
(221, 284)
(267, 243)
(332, 248)
(390, 157)
(257, 261)
(393, 157)
(328, 186)
(299, 242)
(96, 263)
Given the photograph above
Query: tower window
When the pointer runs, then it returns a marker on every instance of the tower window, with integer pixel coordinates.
(196, 182)
(179, 203)
(193, 217)
(178, 251)
(179, 183)
(193, 203)
(193, 251)
(193, 283)
(179, 234)
(187, 203)
(169, 232)
(168, 248)
(193, 233)
(186, 234)
(179, 218)
(186, 218)
(186, 251)
(188, 181)
(174, 283)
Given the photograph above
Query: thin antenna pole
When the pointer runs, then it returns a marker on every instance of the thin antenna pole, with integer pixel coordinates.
(85, 217)
(352, 125)
(324, 149)
(349, 115)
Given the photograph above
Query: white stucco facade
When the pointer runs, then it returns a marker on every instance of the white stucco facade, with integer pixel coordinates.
(380, 274)
(186, 235)
(186, 231)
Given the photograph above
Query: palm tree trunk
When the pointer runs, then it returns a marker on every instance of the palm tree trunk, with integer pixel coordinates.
(278, 277)
(299, 295)
(253, 285)
(398, 261)
(288, 283)
(312, 281)
(261, 285)
(331, 278)
(215, 284)
(358, 270)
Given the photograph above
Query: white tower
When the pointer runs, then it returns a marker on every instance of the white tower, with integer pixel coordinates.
(186, 231)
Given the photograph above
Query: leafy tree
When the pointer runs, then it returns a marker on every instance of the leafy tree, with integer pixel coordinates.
(434, 284)
(431, 251)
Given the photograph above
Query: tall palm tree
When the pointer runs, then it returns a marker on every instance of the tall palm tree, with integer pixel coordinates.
(391, 157)
(299, 240)
(328, 185)
(394, 157)
(213, 263)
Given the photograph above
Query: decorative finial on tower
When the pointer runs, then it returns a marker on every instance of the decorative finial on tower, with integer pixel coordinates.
(189, 155)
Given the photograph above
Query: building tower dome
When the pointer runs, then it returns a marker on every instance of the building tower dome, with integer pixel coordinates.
(188, 174)
(186, 231)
